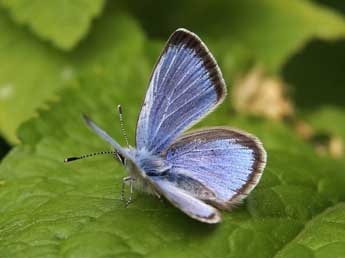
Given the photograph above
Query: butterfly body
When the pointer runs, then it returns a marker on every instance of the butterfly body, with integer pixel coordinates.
(201, 171)
(141, 165)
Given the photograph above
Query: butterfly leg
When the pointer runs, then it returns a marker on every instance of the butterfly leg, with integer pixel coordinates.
(129, 200)
(124, 181)
(158, 195)
(160, 198)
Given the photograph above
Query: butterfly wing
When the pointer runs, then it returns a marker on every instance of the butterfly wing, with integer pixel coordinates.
(105, 136)
(185, 85)
(181, 199)
(226, 161)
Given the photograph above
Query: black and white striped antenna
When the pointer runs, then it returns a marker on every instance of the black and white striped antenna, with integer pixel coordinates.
(90, 155)
(119, 109)
(118, 155)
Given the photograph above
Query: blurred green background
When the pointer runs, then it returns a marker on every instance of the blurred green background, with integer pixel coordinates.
(283, 62)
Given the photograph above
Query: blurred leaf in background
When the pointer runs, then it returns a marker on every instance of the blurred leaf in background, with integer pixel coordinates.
(62, 22)
(44, 70)
(268, 31)
(31, 72)
(50, 209)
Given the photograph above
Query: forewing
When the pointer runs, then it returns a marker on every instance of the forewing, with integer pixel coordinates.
(227, 161)
(181, 199)
(185, 85)
(105, 136)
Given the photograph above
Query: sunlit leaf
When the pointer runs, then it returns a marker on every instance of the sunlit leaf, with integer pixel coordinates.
(32, 72)
(61, 21)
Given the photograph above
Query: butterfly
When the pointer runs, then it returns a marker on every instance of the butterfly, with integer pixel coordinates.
(201, 171)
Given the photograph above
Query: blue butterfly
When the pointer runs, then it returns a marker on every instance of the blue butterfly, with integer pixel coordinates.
(201, 171)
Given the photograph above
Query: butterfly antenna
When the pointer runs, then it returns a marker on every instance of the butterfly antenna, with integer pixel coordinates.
(119, 109)
(94, 154)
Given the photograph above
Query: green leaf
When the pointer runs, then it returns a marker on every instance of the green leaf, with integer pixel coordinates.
(267, 32)
(61, 21)
(27, 66)
(33, 72)
(323, 236)
(52, 209)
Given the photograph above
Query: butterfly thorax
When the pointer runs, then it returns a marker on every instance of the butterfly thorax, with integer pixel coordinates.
(146, 165)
